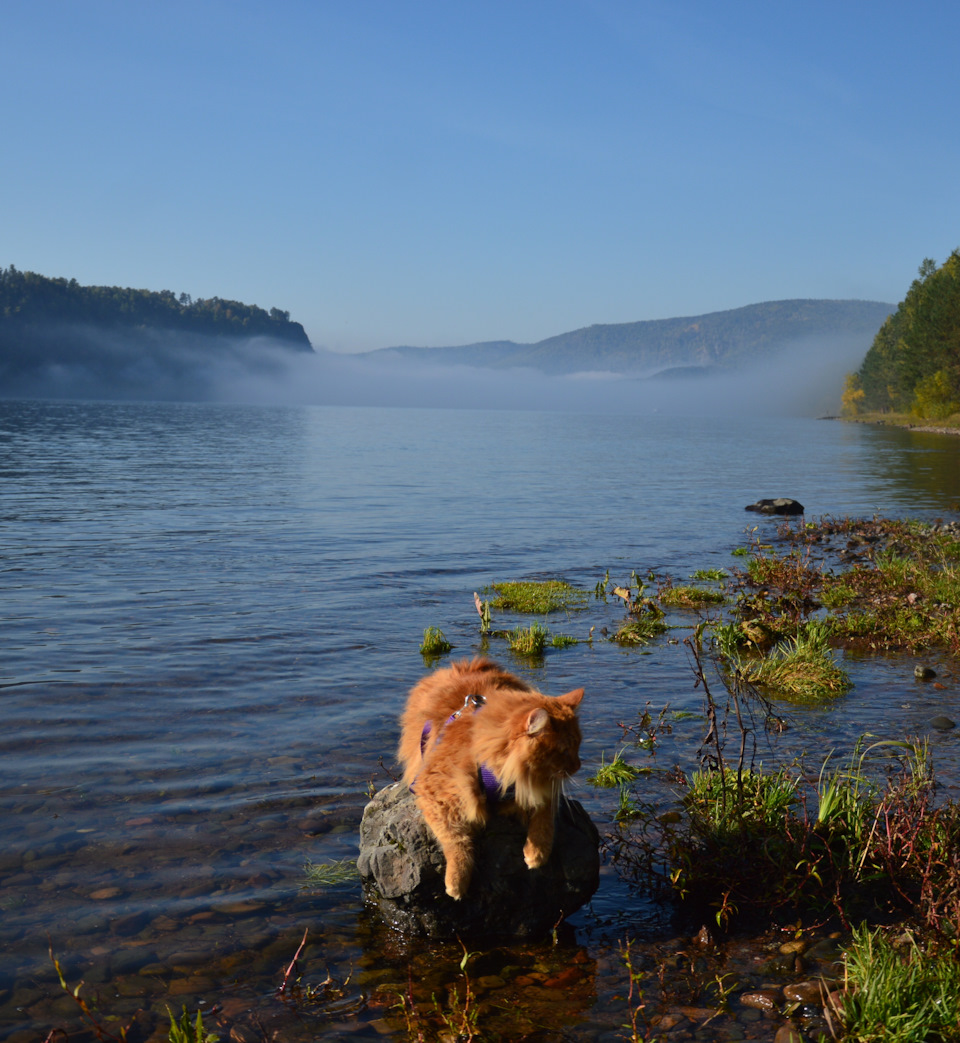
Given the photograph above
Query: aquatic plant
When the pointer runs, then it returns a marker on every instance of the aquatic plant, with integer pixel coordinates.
(717, 575)
(539, 597)
(483, 611)
(689, 597)
(900, 588)
(644, 623)
(329, 874)
(613, 774)
(739, 800)
(434, 643)
(183, 1030)
(458, 1019)
(802, 667)
(563, 641)
(528, 641)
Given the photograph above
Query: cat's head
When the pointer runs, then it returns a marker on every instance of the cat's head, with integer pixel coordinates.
(542, 748)
(551, 733)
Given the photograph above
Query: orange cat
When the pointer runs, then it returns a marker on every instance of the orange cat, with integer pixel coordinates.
(473, 736)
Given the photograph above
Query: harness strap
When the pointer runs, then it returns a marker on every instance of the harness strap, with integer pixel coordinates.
(488, 781)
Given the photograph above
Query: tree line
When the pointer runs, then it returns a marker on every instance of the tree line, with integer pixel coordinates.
(30, 300)
(913, 365)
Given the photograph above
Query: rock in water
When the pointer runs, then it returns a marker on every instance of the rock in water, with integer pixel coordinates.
(401, 865)
(781, 505)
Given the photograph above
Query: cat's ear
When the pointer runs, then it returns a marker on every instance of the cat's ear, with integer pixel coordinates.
(571, 698)
(537, 721)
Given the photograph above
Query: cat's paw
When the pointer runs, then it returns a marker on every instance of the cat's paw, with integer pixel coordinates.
(534, 856)
(456, 884)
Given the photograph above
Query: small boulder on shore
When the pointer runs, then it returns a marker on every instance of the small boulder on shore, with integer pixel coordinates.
(401, 865)
(780, 505)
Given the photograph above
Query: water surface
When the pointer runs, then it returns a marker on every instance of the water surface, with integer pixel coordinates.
(211, 616)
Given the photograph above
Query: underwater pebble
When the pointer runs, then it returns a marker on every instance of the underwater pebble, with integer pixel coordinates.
(761, 999)
(788, 1034)
(154, 970)
(491, 981)
(105, 893)
(803, 992)
(824, 949)
(564, 978)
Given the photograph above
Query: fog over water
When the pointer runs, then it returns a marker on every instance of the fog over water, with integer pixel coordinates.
(803, 378)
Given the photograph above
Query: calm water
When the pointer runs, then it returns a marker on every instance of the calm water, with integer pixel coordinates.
(211, 616)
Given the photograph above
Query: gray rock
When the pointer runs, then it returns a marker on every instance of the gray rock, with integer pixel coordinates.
(781, 505)
(401, 865)
(924, 673)
(942, 724)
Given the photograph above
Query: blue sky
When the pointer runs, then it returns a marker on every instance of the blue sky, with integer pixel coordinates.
(444, 172)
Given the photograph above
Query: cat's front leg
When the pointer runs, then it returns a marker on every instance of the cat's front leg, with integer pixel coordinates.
(539, 843)
(456, 840)
(456, 879)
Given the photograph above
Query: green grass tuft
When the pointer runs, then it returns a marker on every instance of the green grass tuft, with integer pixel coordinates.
(717, 575)
(689, 597)
(539, 597)
(640, 630)
(801, 668)
(528, 641)
(899, 993)
(616, 773)
(434, 643)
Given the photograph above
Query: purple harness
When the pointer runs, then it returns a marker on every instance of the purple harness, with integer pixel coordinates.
(488, 781)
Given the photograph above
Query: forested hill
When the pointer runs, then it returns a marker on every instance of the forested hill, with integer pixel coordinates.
(59, 339)
(30, 301)
(913, 364)
(727, 339)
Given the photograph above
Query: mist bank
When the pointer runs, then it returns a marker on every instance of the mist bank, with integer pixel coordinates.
(803, 381)
(81, 362)
(163, 366)
(86, 362)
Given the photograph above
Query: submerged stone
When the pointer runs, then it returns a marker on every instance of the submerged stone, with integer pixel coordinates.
(401, 865)
(779, 505)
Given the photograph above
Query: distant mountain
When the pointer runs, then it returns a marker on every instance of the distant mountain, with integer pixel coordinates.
(723, 339)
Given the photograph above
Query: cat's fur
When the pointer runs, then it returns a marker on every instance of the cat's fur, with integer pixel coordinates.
(528, 740)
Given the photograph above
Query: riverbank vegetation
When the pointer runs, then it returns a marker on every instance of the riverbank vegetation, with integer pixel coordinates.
(868, 845)
(913, 365)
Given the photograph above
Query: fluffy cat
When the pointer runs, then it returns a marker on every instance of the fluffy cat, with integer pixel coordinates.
(473, 715)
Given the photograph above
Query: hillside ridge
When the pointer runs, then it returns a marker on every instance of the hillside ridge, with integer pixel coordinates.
(728, 339)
